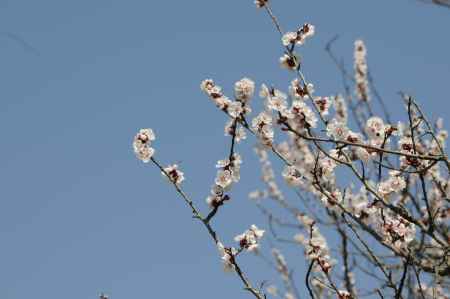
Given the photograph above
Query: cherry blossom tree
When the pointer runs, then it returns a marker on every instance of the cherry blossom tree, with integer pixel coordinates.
(391, 218)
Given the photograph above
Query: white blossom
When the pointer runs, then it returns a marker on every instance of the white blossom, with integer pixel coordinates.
(396, 230)
(323, 104)
(315, 244)
(142, 145)
(215, 93)
(362, 154)
(224, 178)
(289, 38)
(292, 176)
(216, 197)
(299, 37)
(275, 99)
(394, 184)
(341, 109)
(173, 174)
(344, 295)
(226, 255)
(244, 89)
(144, 153)
(337, 130)
(300, 92)
(289, 61)
(375, 127)
(250, 238)
(234, 109)
(362, 85)
(240, 133)
(261, 3)
(303, 115)
(262, 125)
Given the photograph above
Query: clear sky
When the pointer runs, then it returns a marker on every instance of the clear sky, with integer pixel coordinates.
(78, 213)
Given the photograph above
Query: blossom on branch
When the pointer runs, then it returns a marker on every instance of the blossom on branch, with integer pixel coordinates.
(292, 176)
(289, 61)
(173, 174)
(142, 145)
(393, 228)
(299, 91)
(261, 3)
(230, 130)
(262, 125)
(227, 256)
(215, 94)
(298, 37)
(375, 128)
(250, 238)
(275, 99)
(362, 85)
(244, 89)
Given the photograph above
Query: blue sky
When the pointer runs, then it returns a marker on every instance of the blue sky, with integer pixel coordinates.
(78, 213)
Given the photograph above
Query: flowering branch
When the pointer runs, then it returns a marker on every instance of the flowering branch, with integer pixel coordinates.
(383, 189)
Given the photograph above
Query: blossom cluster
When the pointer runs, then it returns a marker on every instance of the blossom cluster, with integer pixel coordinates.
(261, 3)
(249, 240)
(362, 85)
(174, 174)
(300, 91)
(228, 173)
(262, 125)
(396, 230)
(394, 184)
(227, 257)
(290, 61)
(316, 247)
(299, 115)
(142, 145)
(299, 36)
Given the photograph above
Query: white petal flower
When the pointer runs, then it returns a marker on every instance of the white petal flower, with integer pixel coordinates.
(142, 145)
(244, 89)
(249, 239)
(207, 85)
(289, 38)
(362, 85)
(277, 101)
(234, 109)
(289, 62)
(362, 154)
(173, 174)
(292, 176)
(240, 133)
(323, 104)
(298, 37)
(261, 3)
(262, 125)
(224, 178)
(303, 114)
(375, 127)
(341, 109)
(337, 130)
(225, 255)
(144, 153)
